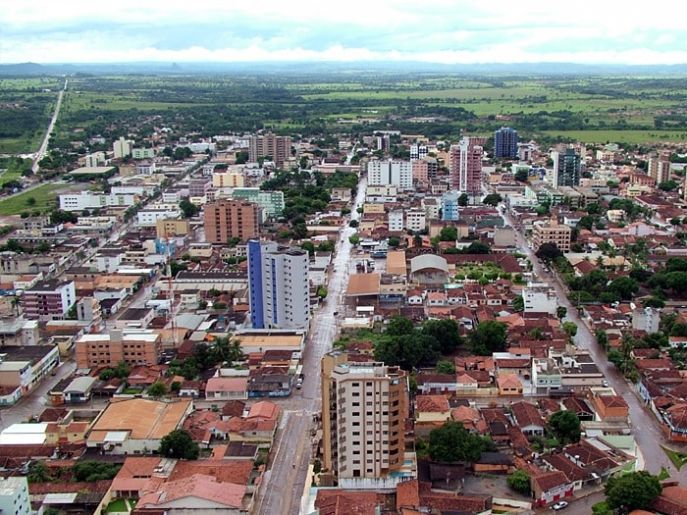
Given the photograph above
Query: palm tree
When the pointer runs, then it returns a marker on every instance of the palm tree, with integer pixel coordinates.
(15, 305)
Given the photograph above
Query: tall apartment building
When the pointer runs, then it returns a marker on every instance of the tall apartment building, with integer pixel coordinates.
(225, 219)
(659, 169)
(95, 159)
(277, 147)
(14, 496)
(396, 220)
(48, 300)
(199, 187)
(279, 294)
(394, 173)
(506, 142)
(420, 172)
(418, 151)
(416, 219)
(449, 206)
(552, 232)
(271, 202)
(465, 165)
(364, 409)
(121, 148)
(108, 350)
(567, 167)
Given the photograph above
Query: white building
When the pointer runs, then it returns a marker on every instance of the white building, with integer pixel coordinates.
(396, 220)
(416, 219)
(14, 496)
(539, 298)
(279, 293)
(122, 148)
(148, 217)
(94, 199)
(396, 173)
(143, 153)
(95, 159)
(647, 319)
(146, 168)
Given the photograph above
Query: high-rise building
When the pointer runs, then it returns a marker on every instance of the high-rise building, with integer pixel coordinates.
(364, 409)
(465, 165)
(14, 496)
(121, 148)
(276, 147)
(418, 151)
(449, 206)
(506, 142)
(659, 169)
(394, 173)
(48, 300)
(226, 219)
(279, 294)
(567, 167)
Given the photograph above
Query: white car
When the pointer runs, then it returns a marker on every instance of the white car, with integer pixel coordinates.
(559, 505)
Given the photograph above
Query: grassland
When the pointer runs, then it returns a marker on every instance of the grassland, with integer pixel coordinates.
(44, 200)
(620, 136)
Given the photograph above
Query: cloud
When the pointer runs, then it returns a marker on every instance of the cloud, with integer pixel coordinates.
(441, 31)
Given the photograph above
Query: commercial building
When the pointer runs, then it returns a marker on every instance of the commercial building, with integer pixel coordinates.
(271, 202)
(278, 287)
(552, 232)
(108, 350)
(567, 167)
(122, 148)
(506, 143)
(48, 300)
(95, 200)
(14, 496)
(449, 206)
(364, 409)
(465, 165)
(539, 298)
(167, 228)
(226, 219)
(394, 173)
(276, 147)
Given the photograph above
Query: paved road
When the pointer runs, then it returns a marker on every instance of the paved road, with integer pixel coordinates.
(35, 402)
(647, 430)
(285, 481)
(44, 145)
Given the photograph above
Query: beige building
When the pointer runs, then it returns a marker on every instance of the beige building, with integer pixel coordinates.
(226, 219)
(659, 169)
(172, 227)
(552, 232)
(108, 350)
(278, 148)
(228, 179)
(364, 409)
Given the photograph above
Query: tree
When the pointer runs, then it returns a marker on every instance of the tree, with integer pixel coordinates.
(353, 223)
(668, 185)
(632, 491)
(188, 208)
(488, 337)
(601, 508)
(175, 267)
(445, 332)
(477, 247)
(565, 425)
(38, 472)
(417, 240)
(90, 471)
(452, 442)
(394, 241)
(399, 326)
(521, 176)
(463, 200)
(519, 303)
(448, 233)
(570, 328)
(31, 201)
(548, 252)
(520, 482)
(354, 239)
(601, 338)
(624, 287)
(561, 311)
(408, 351)
(492, 199)
(179, 444)
(157, 389)
(445, 367)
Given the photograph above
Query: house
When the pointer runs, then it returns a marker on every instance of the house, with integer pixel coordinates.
(190, 389)
(436, 383)
(199, 493)
(611, 407)
(493, 463)
(529, 420)
(79, 390)
(573, 472)
(580, 407)
(591, 459)
(431, 411)
(672, 500)
(509, 384)
(225, 388)
(550, 487)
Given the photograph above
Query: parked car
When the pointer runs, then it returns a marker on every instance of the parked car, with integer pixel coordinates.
(559, 505)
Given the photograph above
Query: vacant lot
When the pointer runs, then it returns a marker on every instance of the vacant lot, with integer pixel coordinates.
(43, 199)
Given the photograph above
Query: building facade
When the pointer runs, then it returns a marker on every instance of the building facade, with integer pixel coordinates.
(567, 167)
(95, 200)
(552, 232)
(108, 350)
(279, 293)
(465, 165)
(14, 496)
(48, 300)
(269, 145)
(394, 173)
(226, 219)
(506, 143)
(659, 169)
(271, 202)
(449, 206)
(364, 408)
(121, 148)
(167, 228)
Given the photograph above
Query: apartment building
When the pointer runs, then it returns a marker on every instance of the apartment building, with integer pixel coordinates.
(552, 232)
(269, 145)
(95, 159)
(659, 169)
(416, 219)
(228, 179)
(465, 165)
(394, 173)
(167, 228)
(143, 153)
(506, 143)
(364, 409)
(14, 496)
(149, 216)
(271, 202)
(199, 187)
(121, 148)
(108, 350)
(396, 220)
(567, 167)
(48, 300)
(279, 293)
(226, 219)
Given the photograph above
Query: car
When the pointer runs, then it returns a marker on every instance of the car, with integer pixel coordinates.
(559, 505)
(605, 383)
(336, 313)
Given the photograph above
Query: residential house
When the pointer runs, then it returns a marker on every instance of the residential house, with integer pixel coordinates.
(529, 420)
(550, 487)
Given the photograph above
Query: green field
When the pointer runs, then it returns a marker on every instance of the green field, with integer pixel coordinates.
(44, 196)
(617, 136)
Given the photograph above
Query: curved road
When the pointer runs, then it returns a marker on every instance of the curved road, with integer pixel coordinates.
(44, 146)
(646, 428)
(285, 481)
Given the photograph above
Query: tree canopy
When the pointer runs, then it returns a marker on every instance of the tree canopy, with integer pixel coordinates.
(633, 491)
(519, 481)
(565, 426)
(488, 337)
(452, 442)
(548, 252)
(179, 444)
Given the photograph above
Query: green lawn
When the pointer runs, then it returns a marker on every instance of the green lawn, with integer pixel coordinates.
(677, 458)
(45, 200)
(664, 474)
(117, 505)
(617, 136)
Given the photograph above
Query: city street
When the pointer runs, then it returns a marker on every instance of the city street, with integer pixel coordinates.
(51, 126)
(292, 449)
(647, 430)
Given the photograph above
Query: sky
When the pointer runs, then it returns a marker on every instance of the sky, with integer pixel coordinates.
(432, 31)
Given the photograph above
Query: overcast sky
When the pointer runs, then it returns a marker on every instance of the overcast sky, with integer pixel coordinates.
(438, 31)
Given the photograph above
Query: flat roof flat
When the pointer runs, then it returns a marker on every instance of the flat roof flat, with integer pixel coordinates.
(92, 170)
